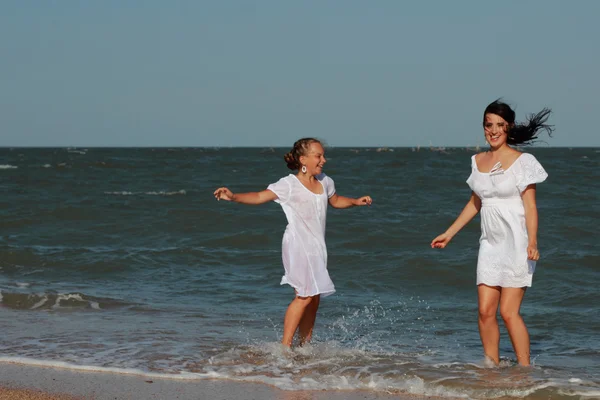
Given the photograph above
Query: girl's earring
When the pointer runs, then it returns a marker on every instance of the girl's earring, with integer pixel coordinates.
(304, 169)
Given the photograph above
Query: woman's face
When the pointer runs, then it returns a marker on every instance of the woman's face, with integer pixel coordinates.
(495, 129)
(314, 160)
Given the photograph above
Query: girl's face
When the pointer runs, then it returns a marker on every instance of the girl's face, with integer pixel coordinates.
(495, 129)
(314, 160)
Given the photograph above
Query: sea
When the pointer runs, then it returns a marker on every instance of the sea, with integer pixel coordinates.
(121, 260)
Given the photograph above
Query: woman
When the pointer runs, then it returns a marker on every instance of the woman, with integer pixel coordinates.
(304, 197)
(503, 183)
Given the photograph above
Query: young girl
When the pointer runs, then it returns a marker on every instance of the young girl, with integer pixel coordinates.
(503, 183)
(303, 197)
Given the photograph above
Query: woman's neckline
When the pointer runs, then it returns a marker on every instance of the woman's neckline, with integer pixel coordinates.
(493, 167)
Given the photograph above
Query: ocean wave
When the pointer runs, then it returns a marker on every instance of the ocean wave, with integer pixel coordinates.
(160, 193)
(330, 368)
(56, 301)
(7, 166)
(93, 368)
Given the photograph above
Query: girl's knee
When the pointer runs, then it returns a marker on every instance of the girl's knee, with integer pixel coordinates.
(303, 300)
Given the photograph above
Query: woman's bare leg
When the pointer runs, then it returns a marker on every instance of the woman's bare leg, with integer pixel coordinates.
(293, 315)
(307, 322)
(489, 298)
(510, 304)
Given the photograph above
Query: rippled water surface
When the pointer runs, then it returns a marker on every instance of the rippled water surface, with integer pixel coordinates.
(120, 259)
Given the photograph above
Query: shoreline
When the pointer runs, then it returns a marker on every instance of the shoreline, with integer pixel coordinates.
(25, 382)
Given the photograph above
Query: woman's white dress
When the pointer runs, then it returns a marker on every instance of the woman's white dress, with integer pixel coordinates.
(502, 257)
(304, 252)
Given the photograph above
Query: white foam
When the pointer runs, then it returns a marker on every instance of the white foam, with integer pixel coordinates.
(47, 166)
(67, 296)
(293, 381)
(40, 303)
(323, 366)
(593, 394)
(93, 368)
(167, 193)
(35, 271)
(7, 166)
(456, 363)
(160, 193)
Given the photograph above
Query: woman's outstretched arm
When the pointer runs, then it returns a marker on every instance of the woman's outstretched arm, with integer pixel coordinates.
(468, 213)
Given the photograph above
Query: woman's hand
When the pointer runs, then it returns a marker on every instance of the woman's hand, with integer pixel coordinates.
(363, 201)
(223, 194)
(532, 252)
(441, 241)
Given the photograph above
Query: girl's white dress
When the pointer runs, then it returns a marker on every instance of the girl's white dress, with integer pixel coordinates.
(304, 252)
(502, 257)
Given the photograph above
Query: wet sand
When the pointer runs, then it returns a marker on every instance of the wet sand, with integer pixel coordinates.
(23, 382)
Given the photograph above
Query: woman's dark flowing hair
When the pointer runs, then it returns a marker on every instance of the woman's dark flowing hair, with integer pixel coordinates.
(521, 133)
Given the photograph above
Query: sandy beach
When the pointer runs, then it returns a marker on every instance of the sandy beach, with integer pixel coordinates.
(23, 382)
(28, 394)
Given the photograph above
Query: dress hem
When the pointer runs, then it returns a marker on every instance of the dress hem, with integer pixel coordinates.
(284, 281)
(504, 286)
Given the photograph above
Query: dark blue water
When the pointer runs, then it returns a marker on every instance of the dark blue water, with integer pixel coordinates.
(121, 259)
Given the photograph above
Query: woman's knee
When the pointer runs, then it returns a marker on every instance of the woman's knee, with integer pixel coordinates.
(487, 313)
(509, 315)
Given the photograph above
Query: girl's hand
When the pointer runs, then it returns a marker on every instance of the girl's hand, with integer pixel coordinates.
(441, 241)
(363, 201)
(533, 253)
(223, 194)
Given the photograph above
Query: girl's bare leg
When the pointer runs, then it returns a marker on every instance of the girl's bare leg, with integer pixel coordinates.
(510, 304)
(307, 322)
(489, 298)
(293, 315)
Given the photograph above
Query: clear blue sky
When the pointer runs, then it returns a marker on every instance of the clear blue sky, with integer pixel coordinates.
(264, 73)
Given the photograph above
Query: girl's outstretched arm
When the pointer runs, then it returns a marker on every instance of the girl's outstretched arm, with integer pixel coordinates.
(344, 202)
(467, 214)
(245, 198)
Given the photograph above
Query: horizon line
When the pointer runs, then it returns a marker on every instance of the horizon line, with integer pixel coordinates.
(285, 147)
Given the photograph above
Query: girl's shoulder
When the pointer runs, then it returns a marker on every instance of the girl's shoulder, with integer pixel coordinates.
(288, 179)
(323, 177)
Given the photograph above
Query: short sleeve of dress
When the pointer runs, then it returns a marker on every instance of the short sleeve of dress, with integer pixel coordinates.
(530, 171)
(471, 179)
(282, 189)
(329, 185)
